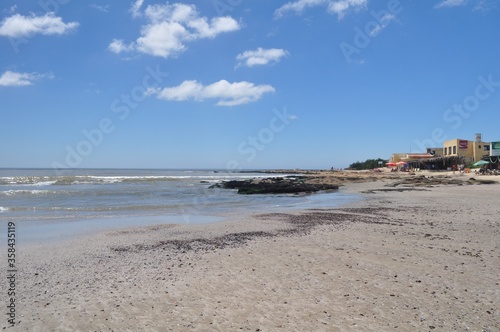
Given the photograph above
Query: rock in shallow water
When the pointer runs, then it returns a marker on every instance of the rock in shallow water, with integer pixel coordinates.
(274, 186)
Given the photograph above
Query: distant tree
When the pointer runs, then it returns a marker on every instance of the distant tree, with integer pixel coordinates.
(367, 164)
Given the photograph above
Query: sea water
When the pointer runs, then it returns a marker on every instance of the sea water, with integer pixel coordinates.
(47, 205)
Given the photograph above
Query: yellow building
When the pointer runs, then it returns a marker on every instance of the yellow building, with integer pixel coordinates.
(472, 151)
(397, 157)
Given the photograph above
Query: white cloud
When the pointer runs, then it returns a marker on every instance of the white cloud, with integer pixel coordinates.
(451, 3)
(298, 6)
(170, 27)
(136, 7)
(22, 26)
(12, 9)
(382, 24)
(342, 6)
(100, 8)
(338, 7)
(163, 39)
(118, 46)
(229, 94)
(477, 5)
(10, 78)
(260, 56)
(485, 5)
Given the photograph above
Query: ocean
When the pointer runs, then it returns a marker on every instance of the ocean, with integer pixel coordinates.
(45, 205)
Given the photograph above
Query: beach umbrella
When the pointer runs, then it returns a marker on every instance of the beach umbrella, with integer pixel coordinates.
(480, 163)
(390, 164)
(401, 163)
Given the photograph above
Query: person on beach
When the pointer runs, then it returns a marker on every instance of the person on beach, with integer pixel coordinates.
(454, 167)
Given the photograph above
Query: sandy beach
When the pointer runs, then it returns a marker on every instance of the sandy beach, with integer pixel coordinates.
(418, 253)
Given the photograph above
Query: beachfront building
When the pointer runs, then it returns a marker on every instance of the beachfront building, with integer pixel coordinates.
(454, 153)
(470, 151)
(408, 161)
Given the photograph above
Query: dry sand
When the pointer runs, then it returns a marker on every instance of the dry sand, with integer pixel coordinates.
(404, 260)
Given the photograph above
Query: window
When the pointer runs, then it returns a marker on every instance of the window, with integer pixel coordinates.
(444, 151)
(486, 148)
(454, 149)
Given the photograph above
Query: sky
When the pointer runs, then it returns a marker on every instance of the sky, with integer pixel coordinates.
(243, 84)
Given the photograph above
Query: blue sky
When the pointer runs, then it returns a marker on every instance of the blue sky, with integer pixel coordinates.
(243, 83)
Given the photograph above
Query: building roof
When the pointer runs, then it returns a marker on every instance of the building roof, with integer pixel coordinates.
(411, 156)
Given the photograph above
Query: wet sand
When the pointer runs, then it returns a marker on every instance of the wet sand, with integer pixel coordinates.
(410, 257)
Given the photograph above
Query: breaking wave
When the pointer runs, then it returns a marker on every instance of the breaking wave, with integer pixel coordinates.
(30, 192)
(91, 180)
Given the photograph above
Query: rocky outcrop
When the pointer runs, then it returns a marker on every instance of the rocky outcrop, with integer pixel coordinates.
(277, 185)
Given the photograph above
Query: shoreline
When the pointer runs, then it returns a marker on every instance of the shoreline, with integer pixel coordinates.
(39, 231)
(46, 231)
(409, 260)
